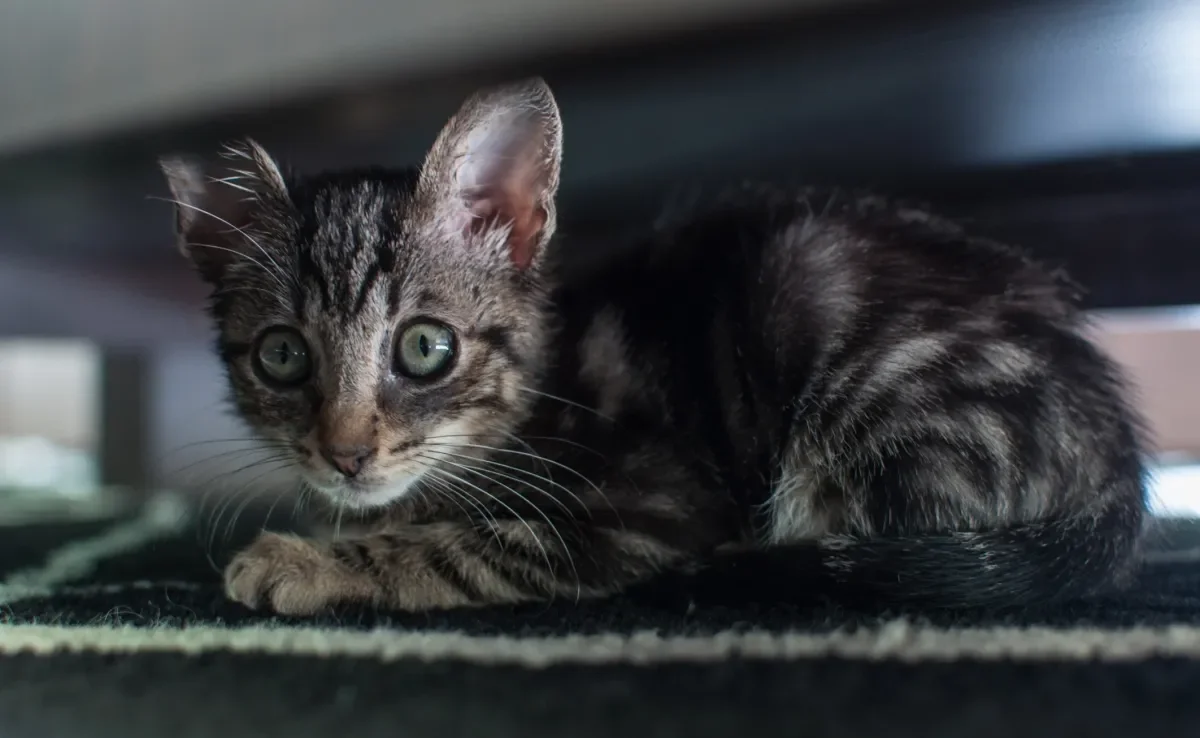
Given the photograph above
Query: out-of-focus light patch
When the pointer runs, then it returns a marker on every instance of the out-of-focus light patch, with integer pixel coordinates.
(1175, 491)
(1154, 319)
(1098, 80)
(1172, 39)
(43, 481)
(38, 464)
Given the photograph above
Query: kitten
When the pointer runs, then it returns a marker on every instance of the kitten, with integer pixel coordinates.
(900, 410)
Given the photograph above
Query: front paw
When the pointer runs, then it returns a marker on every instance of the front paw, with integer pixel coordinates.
(290, 576)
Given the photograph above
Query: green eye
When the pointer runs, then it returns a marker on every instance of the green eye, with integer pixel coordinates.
(282, 356)
(424, 349)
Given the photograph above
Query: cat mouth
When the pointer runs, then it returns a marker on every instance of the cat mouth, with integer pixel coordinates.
(366, 494)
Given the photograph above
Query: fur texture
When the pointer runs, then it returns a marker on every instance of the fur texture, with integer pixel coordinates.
(861, 396)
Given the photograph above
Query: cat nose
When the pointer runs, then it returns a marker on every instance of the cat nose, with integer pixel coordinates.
(349, 461)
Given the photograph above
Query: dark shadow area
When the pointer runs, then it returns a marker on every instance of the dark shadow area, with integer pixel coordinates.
(1057, 124)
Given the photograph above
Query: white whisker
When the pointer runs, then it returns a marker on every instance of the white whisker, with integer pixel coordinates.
(277, 274)
(549, 523)
(565, 401)
(249, 498)
(248, 288)
(230, 182)
(247, 257)
(446, 489)
(526, 454)
(534, 475)
(498, 501)
(565, 441)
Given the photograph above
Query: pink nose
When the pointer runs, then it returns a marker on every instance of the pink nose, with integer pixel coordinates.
(349, 461)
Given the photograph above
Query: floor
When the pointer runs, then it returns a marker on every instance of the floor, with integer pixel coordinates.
(116, 626)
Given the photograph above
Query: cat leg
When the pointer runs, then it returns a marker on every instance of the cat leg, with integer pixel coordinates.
(458, 564)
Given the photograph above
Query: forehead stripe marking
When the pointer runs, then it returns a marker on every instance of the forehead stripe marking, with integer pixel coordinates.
(364, 289)
(310, 270)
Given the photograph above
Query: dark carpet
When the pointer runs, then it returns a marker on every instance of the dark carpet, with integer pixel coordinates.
(81, 605)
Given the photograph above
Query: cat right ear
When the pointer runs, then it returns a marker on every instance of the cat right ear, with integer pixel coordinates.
(494, 168)
(214, 205)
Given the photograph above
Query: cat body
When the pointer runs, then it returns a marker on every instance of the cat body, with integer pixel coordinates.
(862, 391)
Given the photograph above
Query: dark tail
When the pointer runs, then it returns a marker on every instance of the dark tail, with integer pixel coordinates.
(1032, 564)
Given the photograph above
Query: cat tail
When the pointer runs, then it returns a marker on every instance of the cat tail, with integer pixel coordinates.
(1038, 563)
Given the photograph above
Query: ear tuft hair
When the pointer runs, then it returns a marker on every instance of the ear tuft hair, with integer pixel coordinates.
(496, 165)
(215, 205)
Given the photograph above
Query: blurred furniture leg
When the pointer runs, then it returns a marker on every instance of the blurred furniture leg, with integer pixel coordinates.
(124, 443)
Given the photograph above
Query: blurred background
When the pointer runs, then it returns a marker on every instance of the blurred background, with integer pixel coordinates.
(1071, 127)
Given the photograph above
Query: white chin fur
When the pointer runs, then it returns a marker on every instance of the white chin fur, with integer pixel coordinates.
(367, 498)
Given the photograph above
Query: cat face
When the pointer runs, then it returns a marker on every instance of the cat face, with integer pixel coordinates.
(383, 328)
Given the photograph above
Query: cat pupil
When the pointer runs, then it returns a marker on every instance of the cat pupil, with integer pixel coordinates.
(423, 345)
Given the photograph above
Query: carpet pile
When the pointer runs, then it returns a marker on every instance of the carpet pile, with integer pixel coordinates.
(117, 627)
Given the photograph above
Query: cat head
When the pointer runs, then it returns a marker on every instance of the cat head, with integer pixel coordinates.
(381, 328)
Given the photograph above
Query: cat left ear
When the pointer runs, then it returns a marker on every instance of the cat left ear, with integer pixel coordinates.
(496, 166)
(214, 205)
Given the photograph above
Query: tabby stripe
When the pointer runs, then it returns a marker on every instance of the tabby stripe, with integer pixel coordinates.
(515, 547)
(386, 256)
(490, 402)
(354, 554)
(393, 297)
(850, 367)
(427, 300)
(671, 532)
(499, 339)
(406, 445)
(309, 269)
(582, 563)
(364, 290)
(515, 571)
(448, 566)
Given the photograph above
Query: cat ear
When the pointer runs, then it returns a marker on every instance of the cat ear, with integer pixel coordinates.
(495, 166)
(215, 204)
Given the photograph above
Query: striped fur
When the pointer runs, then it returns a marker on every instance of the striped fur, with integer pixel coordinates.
(857, 397)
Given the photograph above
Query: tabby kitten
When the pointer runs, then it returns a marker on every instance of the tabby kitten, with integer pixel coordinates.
(896, 408)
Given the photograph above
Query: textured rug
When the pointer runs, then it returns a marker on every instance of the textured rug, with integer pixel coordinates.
(116, 627)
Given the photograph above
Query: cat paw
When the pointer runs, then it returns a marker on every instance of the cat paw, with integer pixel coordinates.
(289, 576)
